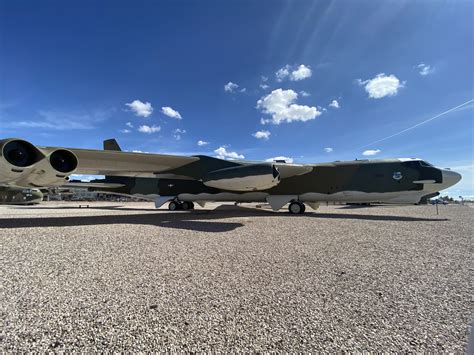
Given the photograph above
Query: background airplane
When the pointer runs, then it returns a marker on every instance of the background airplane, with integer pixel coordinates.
(10, 195)
(183, 180)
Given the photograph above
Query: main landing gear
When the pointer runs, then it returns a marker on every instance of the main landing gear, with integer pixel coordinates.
(178, 205)
(296, 207)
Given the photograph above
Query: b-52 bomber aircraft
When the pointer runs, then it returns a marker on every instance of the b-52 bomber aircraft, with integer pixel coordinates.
(183, 180)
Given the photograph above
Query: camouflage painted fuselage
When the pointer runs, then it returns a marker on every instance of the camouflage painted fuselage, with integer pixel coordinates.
(391, 180)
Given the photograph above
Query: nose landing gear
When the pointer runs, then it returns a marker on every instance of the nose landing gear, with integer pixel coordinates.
(296, 207)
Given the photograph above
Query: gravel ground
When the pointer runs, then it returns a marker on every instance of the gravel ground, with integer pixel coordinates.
(128, 277)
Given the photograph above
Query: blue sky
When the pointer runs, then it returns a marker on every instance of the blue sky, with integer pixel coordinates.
(310, 75)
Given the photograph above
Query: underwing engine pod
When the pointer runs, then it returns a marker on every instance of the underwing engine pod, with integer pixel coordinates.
(253, 177)
(23, 164)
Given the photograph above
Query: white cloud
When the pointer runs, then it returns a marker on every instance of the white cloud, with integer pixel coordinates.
(280, 105)
(149, 129)
(283, 73)
(141, 109)
(129, 124)
(85, 178)
(304, 93)
(264, 86)
(286, 159)
(334, 104)
(168, 111)
(61, 121)
(262, 135)
(222, 153)
(425, 69)
(371, 152)
(328, 149)
(178, 132)
(382, 85)
(202, 143)
(125, 130)
(230, 87)
(264, 78)
(299, 73)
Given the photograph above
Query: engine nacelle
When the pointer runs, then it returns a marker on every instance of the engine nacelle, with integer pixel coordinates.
(254, 177)
(17, 159)
(23, 164)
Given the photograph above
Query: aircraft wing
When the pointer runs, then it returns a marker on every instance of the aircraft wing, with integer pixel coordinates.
(24, 164)
(118, 163)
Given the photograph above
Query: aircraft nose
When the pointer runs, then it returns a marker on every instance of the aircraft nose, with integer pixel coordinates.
(450, 178)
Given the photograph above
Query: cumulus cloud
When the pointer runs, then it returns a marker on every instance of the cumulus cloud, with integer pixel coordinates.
(230, 87)
(371, 152)
(334, 104)
(280, 105)
(282, 73)
(149, 129)
(381, 85)
(293, 73)
(302, 72)
(286, 159)
(328, 149)
(222, 153)
(202, 143)
(264, 86)
(129, 124)
(168, 111)
(141, 109)
(125, 131)
(425, 69)
(304, 93)
(262, 135)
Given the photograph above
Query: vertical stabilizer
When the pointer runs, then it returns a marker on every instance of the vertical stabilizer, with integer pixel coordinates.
(111, 144)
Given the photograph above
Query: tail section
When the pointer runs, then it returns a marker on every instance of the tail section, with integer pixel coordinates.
(111, 144)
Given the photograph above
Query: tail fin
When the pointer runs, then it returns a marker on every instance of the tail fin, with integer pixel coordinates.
(111, 144)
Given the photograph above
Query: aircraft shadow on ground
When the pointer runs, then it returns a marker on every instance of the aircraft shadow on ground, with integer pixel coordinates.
(197, 220)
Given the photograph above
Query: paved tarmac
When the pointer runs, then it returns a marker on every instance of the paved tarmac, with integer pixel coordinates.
(127, 277)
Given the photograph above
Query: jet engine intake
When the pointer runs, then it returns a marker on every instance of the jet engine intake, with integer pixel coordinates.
(63, 160)
(17, 160)
(23, 164)
(20, 153)
(253, 177)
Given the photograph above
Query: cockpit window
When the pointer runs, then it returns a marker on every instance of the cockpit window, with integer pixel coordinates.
(425, 164)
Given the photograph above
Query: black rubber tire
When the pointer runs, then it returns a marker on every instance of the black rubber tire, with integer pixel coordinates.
(295, 208)
(192, 205)
(303, 206)
(187, 205)
(174, 206)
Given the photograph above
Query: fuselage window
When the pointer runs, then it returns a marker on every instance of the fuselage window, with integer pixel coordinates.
(425, 164)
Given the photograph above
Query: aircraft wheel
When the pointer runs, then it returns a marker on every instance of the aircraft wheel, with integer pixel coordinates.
(187, 205)
(174, 206)
(304, 207)
(296, 208)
